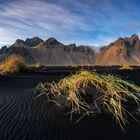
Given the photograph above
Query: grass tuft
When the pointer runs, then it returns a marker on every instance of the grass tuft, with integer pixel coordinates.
(13, 64)
(126, 67)
(38, 65)
(110, 91)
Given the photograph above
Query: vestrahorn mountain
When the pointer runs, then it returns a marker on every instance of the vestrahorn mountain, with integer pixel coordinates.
(122, 51)
(52, 52)
(49, 52)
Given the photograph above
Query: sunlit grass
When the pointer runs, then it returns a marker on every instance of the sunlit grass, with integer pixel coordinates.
(126, 67)
(114, 92)
(13, 64)
(38, 65)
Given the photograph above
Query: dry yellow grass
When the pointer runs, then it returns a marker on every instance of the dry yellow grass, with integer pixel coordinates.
(126, 67)
(13, 64)
(115, 92)
(38, 65)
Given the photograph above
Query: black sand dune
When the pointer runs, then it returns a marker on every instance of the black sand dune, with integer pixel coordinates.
(24, 118)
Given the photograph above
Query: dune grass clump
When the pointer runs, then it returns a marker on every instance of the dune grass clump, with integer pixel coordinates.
(38, 65)
(113, 93)
(126, 67)
(13, 64)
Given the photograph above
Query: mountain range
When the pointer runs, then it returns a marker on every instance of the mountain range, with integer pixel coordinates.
(52, 52)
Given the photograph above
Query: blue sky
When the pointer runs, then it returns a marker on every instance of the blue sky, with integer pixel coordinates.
(89, 22)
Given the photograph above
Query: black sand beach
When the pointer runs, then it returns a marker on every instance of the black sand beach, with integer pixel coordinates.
(22, 117)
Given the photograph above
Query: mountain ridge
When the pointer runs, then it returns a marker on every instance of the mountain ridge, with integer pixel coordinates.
(49, 52)
(124, 50)
(121, 51)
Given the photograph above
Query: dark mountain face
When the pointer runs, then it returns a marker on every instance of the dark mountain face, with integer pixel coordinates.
(19, 43)
(70, 48)
(18, 51)
(33, 41)
(28, 42)
(3, 49)
(83, 49)
(51, 42)
(134, 40)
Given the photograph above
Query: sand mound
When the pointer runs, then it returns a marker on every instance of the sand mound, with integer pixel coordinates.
(23, 118)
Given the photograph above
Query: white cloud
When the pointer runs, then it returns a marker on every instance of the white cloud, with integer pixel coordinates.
(91, 22)
(46, 15)
(26, 18)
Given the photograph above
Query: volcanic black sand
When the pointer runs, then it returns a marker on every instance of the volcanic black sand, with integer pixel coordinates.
(22, 117)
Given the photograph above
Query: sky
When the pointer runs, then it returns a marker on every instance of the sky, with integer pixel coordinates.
(87, 22)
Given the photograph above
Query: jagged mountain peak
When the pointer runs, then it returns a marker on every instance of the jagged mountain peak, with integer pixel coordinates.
(135, 37)
(119, 42)
(121, 51)
(34, 38)
(19, 43)
(52, 41)
(33, 41)
(134, 40)
(126, 41)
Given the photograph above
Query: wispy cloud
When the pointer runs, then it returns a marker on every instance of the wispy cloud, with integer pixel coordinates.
(91, 22)
(25, 18)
